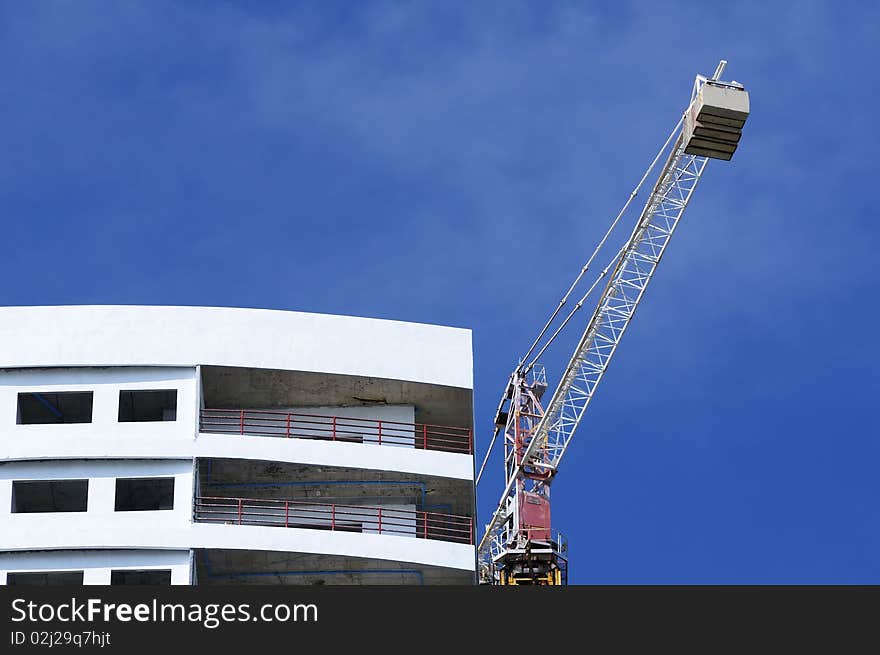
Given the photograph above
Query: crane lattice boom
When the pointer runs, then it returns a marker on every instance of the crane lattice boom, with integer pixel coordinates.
(518, 544)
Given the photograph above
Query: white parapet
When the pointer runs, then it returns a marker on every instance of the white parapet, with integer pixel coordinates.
(109, 335)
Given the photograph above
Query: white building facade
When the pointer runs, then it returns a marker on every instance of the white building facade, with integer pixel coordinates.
(191, 445)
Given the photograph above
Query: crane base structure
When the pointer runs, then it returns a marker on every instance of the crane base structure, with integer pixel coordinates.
(519, 546)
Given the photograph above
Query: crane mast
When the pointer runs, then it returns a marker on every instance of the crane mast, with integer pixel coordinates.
(519, 546)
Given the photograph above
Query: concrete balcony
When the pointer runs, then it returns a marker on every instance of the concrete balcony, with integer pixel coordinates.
(399, 521)
(339, 437)
(343, 429)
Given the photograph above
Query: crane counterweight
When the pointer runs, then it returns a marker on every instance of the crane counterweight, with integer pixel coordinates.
(713, 123)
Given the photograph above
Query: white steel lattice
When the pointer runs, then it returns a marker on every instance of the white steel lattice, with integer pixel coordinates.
(620, 298)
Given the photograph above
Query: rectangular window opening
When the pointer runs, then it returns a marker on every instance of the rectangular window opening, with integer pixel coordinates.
(141, 576)
(148, 405)
(33, 496)
(45, 578)
(144, 494)
(35, 407)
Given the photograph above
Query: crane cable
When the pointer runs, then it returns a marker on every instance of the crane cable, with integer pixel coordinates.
(486, 458)
(578, 278)
(546, 345)
(599, 246)
(578, 305)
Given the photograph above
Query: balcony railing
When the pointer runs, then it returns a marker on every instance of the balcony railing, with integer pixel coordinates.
(293, 425)
(345, 518)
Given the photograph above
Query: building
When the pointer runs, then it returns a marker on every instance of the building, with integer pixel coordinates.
(197, 445)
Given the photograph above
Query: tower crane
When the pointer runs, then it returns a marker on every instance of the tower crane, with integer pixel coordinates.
(519, 546)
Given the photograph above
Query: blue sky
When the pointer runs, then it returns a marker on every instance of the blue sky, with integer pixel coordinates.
(455, 163)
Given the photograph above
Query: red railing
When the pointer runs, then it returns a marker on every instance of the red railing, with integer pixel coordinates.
(345, 518)
(269, 423)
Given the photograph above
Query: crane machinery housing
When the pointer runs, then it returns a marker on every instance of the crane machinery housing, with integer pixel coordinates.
(519, 545)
